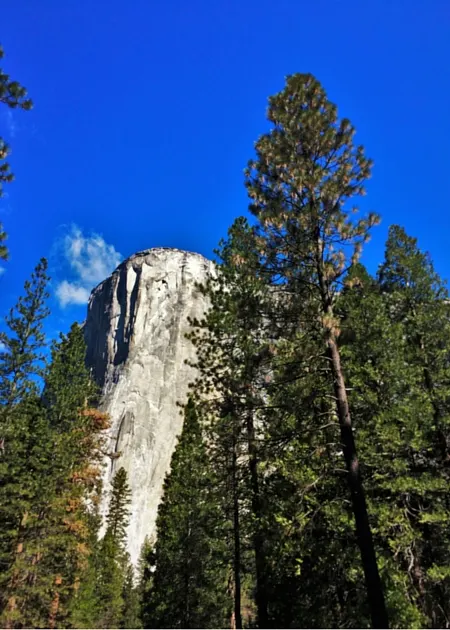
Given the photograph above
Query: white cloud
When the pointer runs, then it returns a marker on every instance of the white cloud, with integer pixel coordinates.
(2, 271)
(90, 260)
(2, 347)
(70, 293)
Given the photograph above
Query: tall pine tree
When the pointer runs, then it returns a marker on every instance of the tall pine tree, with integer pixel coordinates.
(112, 559)
(189, 582)
(417, 301)
(49, 467)
(306, 172)
(25, 443)
(233, 352)
(77, 440)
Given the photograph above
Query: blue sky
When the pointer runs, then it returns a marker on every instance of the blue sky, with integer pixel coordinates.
(146, 113)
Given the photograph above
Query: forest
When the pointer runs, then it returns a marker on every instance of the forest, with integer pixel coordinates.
(310, 485)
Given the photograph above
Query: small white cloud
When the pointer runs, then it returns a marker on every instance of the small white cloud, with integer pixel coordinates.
(90, 259)
(2, 346)
(2, 271)
(69, 293)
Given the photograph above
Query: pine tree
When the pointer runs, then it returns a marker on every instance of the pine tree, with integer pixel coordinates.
(22, 356)
(417, 302)
(145, 569)
(50, 468)
(26, 494)
(233, 350)
(309, 533)
(71, 523)
(396, 422)
(306, 171)
(112, 558)
(117, 517)
(131, 601)
(189, 582)
(388, 415)
(13, 95)
(24, 439)
(84, 603)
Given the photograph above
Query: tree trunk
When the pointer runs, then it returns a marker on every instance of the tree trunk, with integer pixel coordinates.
(237, 541)
(363, 532)
(53, 610)
(374, 587)
(230, 591)
(186, 611)
(261, 587)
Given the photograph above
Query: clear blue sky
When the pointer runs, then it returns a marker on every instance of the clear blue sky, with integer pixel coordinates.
(146, 112)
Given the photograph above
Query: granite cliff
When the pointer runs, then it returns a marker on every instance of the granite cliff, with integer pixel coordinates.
(136, 346)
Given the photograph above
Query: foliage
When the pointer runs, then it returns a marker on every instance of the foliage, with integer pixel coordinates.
(112, 562)
(13, 95)
(302, 184)
(49, 466)
(188, 583)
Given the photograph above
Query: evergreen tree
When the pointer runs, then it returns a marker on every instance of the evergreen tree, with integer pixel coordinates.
(396, 423)
(306, 171)
(112, 559)
(117, 517)
(311, 542)
(25, 442)
(84, 603)
(233, 352)
(77, 438)
(145, 569)
(417, 302)
(50, 473)
(388, 416)
(188, 585)
(22, 355)
(13, 95)
(131, 602)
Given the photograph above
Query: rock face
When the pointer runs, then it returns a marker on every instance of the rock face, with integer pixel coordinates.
(136, 347)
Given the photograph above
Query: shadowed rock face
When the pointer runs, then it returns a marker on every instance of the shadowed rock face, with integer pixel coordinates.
(136, 347)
